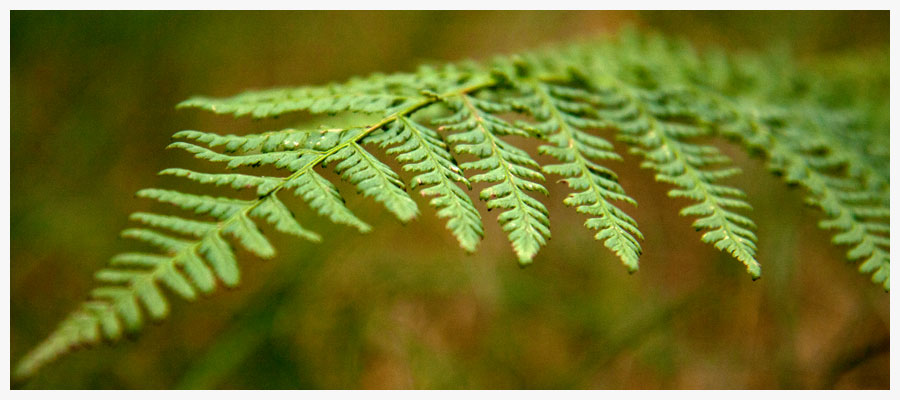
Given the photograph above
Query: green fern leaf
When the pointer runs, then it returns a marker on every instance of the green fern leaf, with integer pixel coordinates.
(277, 214)
(424, 151)
(328, 100)
(324, 198)
(263, 184)
(512, 171)
(217, 207)
(650, 120)
(293, 160)
(374, 179)
(287, 139)
(564, 117)
(221, 258)
(658, 96)
(174, 224)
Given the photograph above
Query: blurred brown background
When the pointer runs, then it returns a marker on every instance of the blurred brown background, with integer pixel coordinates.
(92, 97)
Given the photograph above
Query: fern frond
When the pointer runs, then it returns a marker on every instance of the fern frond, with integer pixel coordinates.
(852, 206)
(423, 151)
(824, 151)
(358, 97)
(287, 139)
(860, 217)
(217, 207)
(657, 96)
(661, 125)
(510, 169)
(563, 118)
(376, 94)
(374, 179)
(323, 196)
(279, 216)
(292, 160)
(175, 224)
(209, 254)
(263, 184)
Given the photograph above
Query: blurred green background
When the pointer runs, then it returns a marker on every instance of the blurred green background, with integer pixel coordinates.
(92, 107)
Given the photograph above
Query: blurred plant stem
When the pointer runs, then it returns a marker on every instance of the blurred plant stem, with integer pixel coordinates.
(782, 270)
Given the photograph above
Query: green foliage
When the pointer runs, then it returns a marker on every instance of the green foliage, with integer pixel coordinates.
(510, 169)
(563, 114)
(656, 97)
(422, 150)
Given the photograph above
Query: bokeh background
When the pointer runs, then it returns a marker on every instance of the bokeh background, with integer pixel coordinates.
(92, 96)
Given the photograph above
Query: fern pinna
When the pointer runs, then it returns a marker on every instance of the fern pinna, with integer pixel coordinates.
(657, 98)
